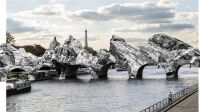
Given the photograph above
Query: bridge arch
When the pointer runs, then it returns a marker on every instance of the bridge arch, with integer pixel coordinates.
(180, 66)
(70, 71)
(17, 70)
(17, 73)
(45, 72)
(174, 73)
(141, 68)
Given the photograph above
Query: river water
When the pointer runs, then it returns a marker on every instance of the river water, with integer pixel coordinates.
(116, 94)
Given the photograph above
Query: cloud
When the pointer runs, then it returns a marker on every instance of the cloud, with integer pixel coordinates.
(137, 12)
(50, 9)
(140, 12)
(149, 12)
(17, 26)
(192, 41)
(88, 15)
(130, 19)
(156, 27)
(52, 1)
(186, 16)
(91, 38)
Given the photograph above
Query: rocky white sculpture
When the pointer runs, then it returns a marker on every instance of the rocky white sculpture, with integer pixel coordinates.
(12, 58)
(161, 50)
(70, 56)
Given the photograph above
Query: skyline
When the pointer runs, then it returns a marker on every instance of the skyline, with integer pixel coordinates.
(135, 21)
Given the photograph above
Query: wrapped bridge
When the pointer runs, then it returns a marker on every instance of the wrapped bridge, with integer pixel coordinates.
(161, 50)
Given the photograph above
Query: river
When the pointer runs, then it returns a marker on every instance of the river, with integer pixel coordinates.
(116, 94)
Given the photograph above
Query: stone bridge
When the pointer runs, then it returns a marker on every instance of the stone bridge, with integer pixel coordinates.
(161, 50)
(70, 56)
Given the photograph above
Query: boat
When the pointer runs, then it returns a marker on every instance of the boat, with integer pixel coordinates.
(31, 78)
(17, 86)
(82, 71)
(121, 69)
(43, 75)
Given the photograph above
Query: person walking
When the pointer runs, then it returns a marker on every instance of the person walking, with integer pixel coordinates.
(170, 98)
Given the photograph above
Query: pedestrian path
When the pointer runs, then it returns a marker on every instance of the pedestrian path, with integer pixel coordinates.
(165, 105)
(190, 104)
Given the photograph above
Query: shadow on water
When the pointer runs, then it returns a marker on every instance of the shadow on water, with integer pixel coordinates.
(99, 80)
(134, 79)
(172, 79)
(73, 80)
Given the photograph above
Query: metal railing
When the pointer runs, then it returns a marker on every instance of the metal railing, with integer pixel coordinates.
(165, 102)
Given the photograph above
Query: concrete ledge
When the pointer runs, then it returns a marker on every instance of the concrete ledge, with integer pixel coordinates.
(178, 101)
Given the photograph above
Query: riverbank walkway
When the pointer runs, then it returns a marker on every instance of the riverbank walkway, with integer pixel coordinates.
(185, 100)
(190, 104)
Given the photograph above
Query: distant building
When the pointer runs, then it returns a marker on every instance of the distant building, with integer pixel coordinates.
(86, 43)
(54, 43)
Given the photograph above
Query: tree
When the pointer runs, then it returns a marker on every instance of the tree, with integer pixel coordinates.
(90, 50)
(10, 39)
(37, 50)
(40, 50)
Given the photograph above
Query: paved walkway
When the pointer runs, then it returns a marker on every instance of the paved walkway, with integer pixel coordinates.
(190, 104)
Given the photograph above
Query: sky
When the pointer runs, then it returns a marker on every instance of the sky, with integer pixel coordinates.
(38, 21)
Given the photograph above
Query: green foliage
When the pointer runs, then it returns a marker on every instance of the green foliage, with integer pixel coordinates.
(37, 50)
(9, 38)
(90, 50)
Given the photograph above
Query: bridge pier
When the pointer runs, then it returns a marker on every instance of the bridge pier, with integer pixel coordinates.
(70, 72)
(65, 70)
(136, 74)
(140, 72)
(103, 72)
(171, 75)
